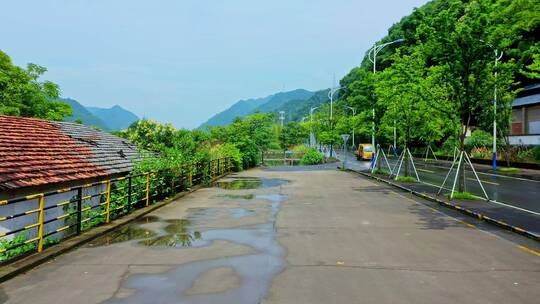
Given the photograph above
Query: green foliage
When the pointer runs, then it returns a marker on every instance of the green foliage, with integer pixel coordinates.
(381, 172)
(442, 76)
(291, 135)
(525, 155)
(22, 94)
(312, 157)
(406, 179)
(228, 150)
(481, 153)
(536, 153)
(251, 135)
(478, 138)
(463, 196)
(508, 170)
(26, 248)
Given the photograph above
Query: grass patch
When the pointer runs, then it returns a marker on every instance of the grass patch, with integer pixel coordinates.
(508, 170)
(381, 172)
(405, 179)
(463, 196)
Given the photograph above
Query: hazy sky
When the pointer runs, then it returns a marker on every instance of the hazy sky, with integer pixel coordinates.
(182, 61)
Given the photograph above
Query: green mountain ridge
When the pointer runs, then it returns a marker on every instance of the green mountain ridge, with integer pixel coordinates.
(272, 103)
(112, 119)
(116, 117)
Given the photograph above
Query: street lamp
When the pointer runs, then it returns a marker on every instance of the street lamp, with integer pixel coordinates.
(353, 114)
(372, 56)
(331, 96)
(498, 56)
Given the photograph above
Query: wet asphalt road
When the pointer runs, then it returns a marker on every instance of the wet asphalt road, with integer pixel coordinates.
(511, 191)
(286, 235)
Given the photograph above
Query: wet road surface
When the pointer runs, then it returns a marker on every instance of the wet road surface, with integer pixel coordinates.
(511, 191)
(287, 235)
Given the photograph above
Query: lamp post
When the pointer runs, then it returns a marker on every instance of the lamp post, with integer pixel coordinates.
(353, 114)
(372, 56)
(311, 135)
(498, 56)
(331, 96)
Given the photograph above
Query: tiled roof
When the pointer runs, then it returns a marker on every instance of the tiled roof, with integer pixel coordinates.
(36, 152)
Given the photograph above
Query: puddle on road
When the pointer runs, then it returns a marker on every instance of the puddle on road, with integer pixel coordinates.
(179, 234)
(127, 233)
(239, 196)
(241, 183)
(254, 272)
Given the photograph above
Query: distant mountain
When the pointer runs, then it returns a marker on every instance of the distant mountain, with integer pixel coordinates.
(266, 104)
(116, 118)
(240, 108)
(297, 108)
(112, 119)
(81, 113)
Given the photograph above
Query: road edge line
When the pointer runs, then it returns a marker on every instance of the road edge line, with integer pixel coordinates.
(471, 213)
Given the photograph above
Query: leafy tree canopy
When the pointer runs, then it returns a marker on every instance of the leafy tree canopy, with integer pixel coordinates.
(22, 94)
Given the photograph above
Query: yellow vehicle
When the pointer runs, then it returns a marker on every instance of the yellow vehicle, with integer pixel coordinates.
(365, 151)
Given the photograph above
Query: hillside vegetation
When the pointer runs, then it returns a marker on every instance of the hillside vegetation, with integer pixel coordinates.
(268, 104)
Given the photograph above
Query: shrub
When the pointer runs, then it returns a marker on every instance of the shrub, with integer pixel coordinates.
(536, 153)
(478, 138)
(405, 179)
(463, 196)
(301, 149)
(508, 169)
(525, 155)
(481, 153)
(449, 146)
(312, 157)
(381, 172)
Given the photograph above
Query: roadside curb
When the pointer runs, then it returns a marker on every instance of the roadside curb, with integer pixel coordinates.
(463, 210)
(33, 260)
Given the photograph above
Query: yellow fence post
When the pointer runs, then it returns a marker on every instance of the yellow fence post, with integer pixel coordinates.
(147, 189)
(108, 203)
(41, 218)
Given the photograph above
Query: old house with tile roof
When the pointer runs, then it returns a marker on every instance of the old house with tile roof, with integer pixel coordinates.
(39, 156)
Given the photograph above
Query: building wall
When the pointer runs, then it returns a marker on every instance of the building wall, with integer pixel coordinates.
(526, 120)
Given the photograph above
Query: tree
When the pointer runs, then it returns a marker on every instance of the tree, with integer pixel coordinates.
(251, 135)
(292, 134)
(21, 94)
(410, 96)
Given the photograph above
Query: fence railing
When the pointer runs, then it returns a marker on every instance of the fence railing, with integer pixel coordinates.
(43, 219)
(281, 158)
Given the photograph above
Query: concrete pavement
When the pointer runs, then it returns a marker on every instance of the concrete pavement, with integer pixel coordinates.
(324, 236)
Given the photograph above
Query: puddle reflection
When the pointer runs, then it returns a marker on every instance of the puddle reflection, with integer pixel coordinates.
(240, 183)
